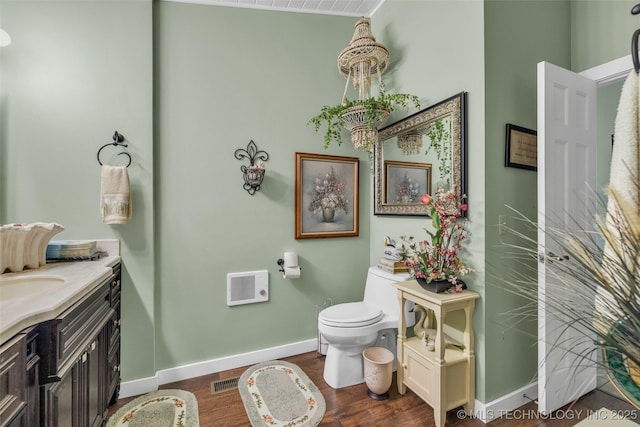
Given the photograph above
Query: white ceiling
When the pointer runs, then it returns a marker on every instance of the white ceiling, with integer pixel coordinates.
(327, 7)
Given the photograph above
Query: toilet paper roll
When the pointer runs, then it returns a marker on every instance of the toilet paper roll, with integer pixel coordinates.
(290, 259)
(291, 272)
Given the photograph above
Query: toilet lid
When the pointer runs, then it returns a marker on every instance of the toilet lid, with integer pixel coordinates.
(350, 315)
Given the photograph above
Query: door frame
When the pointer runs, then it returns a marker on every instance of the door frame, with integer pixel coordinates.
(610, 72)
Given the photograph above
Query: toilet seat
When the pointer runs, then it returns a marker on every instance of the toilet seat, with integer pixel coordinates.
(350, 315)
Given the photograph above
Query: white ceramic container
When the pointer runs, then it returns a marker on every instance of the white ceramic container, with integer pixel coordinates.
(25, 245)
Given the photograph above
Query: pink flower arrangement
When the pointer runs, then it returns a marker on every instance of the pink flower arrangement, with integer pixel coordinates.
(437, 258)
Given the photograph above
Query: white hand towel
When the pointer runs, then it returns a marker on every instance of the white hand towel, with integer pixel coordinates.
(115, 195)
(623, 176)
(625, 162)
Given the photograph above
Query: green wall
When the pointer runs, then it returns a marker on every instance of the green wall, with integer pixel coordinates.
(514, 44)
(437, 51)
(189, 84)
(601, 30)
(225, 76)
(75, 72)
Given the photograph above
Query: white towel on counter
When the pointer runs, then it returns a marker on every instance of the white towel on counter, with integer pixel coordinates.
(115, 195)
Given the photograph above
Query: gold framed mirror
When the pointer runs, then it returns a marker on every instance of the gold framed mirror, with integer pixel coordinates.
(429, 150)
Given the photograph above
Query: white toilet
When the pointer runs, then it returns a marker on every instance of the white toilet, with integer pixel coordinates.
(351, 327)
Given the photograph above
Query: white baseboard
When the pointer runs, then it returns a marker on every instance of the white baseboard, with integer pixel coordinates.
(487, 412)
(164, 376)
(137, 387)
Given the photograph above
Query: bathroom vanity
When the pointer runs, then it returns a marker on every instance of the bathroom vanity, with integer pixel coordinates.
(445, 377)
(60, 344)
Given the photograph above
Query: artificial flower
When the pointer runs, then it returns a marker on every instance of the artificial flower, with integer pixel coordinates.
(437, 257)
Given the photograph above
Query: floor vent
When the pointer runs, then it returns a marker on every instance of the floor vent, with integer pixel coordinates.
(223, 385)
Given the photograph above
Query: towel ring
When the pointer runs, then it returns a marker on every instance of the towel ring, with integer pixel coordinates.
(117, 141)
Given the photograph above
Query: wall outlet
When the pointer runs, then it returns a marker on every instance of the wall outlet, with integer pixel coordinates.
(502, 223)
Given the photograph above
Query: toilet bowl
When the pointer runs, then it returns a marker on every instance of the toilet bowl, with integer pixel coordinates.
(351, 327)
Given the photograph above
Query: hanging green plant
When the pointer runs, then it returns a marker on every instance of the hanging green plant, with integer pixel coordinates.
(440, 142)
(370, 113)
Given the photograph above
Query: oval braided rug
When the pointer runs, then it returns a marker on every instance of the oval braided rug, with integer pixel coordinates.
(279, 394)
(162, 408)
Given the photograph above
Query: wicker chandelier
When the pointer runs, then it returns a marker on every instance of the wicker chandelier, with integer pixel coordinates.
(410, 142)
(359, 61)
(363, 58)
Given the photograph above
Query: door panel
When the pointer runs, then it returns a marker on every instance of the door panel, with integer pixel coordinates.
(566, 181)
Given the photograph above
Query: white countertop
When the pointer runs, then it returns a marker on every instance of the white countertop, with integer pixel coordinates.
(37, 295)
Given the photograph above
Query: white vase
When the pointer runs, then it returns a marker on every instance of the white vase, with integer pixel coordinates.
(378, 371)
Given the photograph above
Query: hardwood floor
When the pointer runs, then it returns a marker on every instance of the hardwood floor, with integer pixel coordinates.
(350, 406)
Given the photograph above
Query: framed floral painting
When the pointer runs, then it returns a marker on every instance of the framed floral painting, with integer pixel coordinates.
(326, 196)
(405, 182)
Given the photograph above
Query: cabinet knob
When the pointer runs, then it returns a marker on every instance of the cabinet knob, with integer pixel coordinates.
(116, 323)
(404, 366)
(116, 368)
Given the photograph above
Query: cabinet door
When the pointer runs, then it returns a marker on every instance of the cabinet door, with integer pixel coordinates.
(61, 403)
(12, 379)
(419, 376)
(93, 379)
(78, 399)
(19, 421)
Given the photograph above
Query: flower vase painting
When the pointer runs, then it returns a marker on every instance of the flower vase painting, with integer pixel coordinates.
(434, 262)
(405, 182)
(326, 196)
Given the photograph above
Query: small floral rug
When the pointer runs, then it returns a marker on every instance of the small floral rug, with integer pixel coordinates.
(278, 393)
(162, 408)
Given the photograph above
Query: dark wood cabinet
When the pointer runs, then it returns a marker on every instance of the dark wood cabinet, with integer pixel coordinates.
(65, 372)
(82, 351)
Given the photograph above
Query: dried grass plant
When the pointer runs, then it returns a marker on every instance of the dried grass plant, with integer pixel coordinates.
(594, 289)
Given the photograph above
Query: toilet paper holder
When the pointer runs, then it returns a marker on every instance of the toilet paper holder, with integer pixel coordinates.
(280, 262)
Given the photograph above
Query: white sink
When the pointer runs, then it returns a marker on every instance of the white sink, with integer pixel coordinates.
(26, 286)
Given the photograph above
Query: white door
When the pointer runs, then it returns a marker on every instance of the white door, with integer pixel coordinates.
(566, 180)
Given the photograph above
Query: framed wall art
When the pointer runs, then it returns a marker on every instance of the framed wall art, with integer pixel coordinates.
(405, 182)
(435, 136)
(521, 148)
(326, 196)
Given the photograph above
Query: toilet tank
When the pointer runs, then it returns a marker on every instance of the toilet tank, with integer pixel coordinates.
(379, 290)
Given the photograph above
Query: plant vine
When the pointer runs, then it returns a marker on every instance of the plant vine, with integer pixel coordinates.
(440, 141)
(375, 108)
